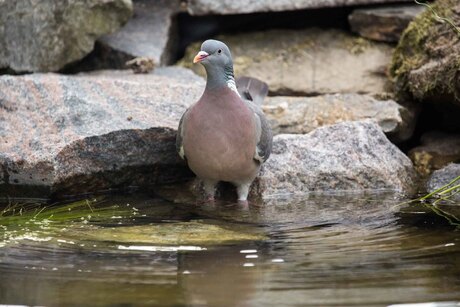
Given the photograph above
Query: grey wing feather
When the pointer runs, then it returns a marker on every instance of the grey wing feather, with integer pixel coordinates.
(180, 135)
(264, 134)
(253, 92)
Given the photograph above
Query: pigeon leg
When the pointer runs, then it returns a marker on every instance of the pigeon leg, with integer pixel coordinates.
(243, 191)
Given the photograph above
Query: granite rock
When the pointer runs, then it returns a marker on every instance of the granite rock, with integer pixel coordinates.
(304, 114)
(151, 33)
(47, 35)
(349, 156)
(76, 134)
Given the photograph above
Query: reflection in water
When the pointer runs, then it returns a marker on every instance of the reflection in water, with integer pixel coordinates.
(320, 250)
(218, 278)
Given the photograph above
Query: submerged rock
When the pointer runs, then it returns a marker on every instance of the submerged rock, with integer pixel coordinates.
(443, 177)
(152, 33)
(304, 114)
(73, 134)
(102, 222)
(47, 35)
(210, 7)
(385, 23)
(427, 59)
(306, 62)
(169, 234)
(350, 156)
(437, 150)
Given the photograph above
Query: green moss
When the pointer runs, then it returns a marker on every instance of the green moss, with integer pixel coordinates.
(426, 43)
(410, 52)
(179, 233)
(102, 222)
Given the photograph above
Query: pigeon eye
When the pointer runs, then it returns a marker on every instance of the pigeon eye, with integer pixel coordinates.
(219, 51)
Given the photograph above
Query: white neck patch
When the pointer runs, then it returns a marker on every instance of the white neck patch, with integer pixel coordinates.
(232, 85)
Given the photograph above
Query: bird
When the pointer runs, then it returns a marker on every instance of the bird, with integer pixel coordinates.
(225, 136)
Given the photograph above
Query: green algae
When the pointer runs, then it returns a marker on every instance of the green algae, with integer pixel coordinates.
(171, 234)
(96, 222)
(38, 222)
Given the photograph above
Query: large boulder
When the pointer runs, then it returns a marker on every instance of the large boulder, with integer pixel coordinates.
(47, 35)
(73, 134)
(304, 114)
(306, 62)
(385, 23)
(427, 59)
(210, 7)
(350, 156)
(152, 33)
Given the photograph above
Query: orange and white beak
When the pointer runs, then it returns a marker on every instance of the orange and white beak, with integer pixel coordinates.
(200, 56)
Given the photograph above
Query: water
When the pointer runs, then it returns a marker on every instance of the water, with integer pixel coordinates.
(323, 250)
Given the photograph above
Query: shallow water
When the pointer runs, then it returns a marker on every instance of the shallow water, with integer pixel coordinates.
(363, 250)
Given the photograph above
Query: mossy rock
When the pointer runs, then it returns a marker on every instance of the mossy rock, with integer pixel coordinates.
(426, 62)
(178, 233)
(100, 223)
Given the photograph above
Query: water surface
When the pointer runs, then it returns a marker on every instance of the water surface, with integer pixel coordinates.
(346, 250)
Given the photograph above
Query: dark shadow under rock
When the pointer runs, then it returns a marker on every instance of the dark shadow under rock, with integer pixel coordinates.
(437, 150)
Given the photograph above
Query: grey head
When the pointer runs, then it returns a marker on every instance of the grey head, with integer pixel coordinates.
(217, 60)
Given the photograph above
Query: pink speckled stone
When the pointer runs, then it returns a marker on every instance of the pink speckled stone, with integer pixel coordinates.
(73, 134)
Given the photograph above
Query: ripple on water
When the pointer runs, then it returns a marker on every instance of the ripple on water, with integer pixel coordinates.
(319, 249)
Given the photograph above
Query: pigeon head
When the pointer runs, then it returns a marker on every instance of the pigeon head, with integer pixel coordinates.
(217, 61)
(214, 53)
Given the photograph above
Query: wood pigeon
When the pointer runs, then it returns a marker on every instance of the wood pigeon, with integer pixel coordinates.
(225, 136)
